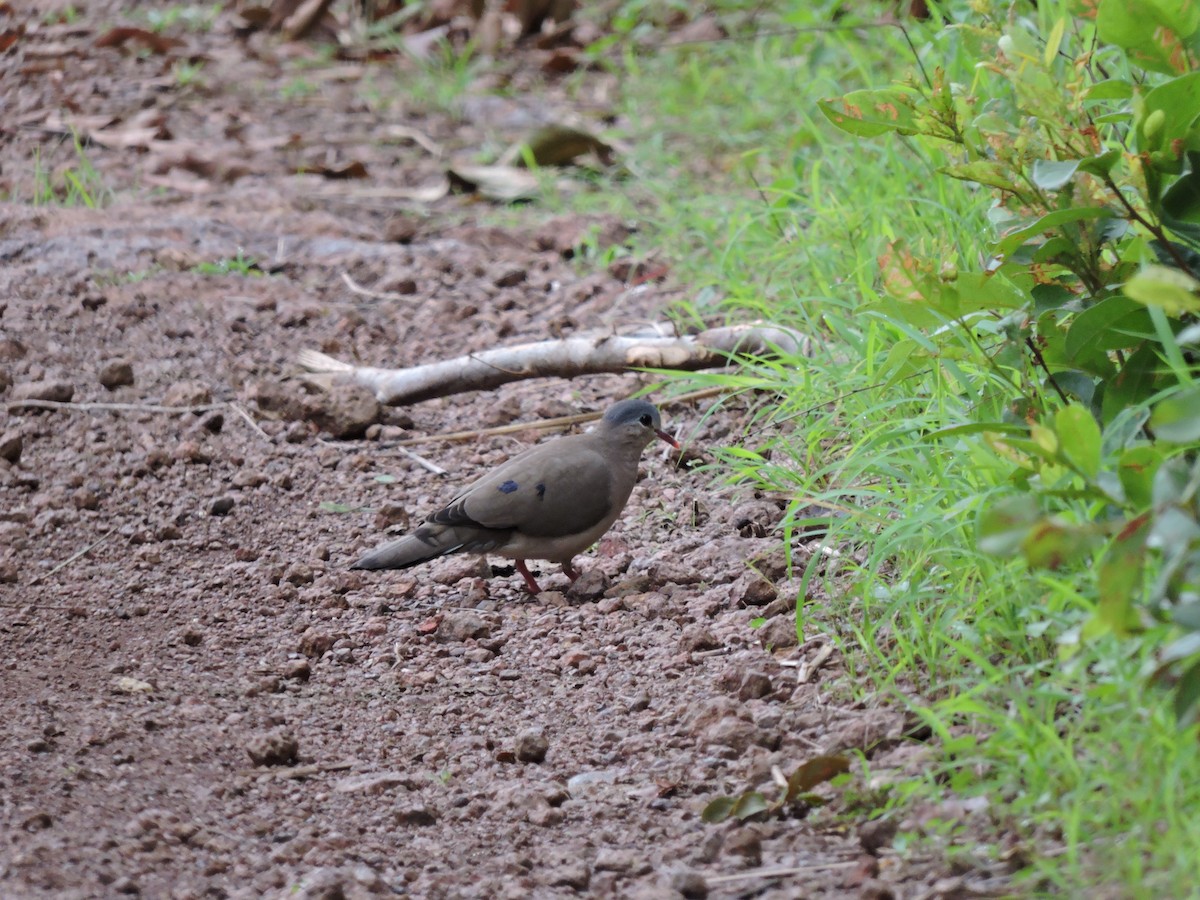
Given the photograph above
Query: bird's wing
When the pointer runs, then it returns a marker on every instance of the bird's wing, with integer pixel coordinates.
(553, 490)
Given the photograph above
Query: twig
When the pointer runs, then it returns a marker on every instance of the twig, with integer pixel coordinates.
(66, 562)
(237, 408)
(421, 461)
(779, 873)
(543, 424)
(122, 407)
(808, 669)
(367, 292)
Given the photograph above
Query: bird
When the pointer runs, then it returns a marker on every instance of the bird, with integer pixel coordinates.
(551, 502)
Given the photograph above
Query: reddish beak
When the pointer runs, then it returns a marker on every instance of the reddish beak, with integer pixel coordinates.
(670, 440)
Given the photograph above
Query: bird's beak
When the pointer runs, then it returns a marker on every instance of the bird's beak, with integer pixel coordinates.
(666, 437)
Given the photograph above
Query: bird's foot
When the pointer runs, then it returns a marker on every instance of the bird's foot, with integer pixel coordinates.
(570, 571)
(530, 584)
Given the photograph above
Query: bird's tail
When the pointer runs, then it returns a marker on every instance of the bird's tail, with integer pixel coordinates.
(426, 543)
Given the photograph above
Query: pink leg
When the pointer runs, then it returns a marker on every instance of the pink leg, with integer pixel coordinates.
(530, 584)
(570, 571)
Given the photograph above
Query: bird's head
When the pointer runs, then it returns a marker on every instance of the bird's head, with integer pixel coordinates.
(636, 421)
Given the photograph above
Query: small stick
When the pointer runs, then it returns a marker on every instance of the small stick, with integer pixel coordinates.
(366, 292)
(422, 462)
(66, 562)
(807, 670)
(779, 873)
(544, 424)
(123, 407)
(237, 408)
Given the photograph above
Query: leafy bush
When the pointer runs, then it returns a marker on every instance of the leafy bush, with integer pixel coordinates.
(1078, 334)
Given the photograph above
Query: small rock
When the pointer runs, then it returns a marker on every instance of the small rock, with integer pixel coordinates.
(697, 638)
(461, 625)
(779, 633)
(753, 686)
(54, 391)
(574, 875)
(188, 393)
(5, 381)
(753, 590)
(876, 834)
(532, 746)
(248, 478)
(689, 883)
(588, 587)
(83, 498)
(416, 814)
(391, 514)
(273, 748)
(297, 670)
(116, 373)
(299, 574)
(11, 445)
(315, 644)
(745, 842)
(346, 410)
(511, 278)
(191, 452)
(737, 734)
(611, 859)
(221, 506)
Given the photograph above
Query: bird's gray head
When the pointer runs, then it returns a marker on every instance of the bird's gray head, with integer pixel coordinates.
(638, 420)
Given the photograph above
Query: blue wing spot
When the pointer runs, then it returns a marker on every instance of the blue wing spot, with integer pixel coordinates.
(508, 487)
(541, 491)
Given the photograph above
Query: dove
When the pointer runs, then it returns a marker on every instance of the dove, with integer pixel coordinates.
(551, 502)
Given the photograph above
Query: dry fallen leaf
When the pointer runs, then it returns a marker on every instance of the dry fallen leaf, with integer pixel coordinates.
(156, 43)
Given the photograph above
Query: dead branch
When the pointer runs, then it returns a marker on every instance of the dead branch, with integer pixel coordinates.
(566, 358)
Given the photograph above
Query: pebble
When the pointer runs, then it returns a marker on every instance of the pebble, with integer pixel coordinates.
(221, 506)
(346, 410)
(273, 748)
(116, 373)
(779, 633)
(54, 391)
(689, 883)
(461, 625)
(187, 393)
(754, 685)
(697, 638)
(11, 445)
(588, 587)
(532, 746)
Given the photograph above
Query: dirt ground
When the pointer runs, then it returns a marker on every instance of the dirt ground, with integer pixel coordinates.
(201, 699)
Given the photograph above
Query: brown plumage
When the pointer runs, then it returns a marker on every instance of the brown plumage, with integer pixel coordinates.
(551, 502)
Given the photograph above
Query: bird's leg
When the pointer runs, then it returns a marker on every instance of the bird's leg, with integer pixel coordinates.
(570, 571)
(530, 584)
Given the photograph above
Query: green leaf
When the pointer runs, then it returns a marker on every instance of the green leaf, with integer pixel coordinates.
(1112, 89)
(1181, 201)
(386, 479)
(717, 810)
(1003, 526)
(331, 507)
(1050, 222)
(1143, 28)
(985, 172)
(1177, 418)
(1169, 289)
(749, 804)
(872, 113)
(1134, 384)
(1168, 113)
(1119, 576)
(1114, 323)
(1053, 174)
(1079, 438)
(1187, 692)
(1136, 469)
(1051, 544)
(816, 771)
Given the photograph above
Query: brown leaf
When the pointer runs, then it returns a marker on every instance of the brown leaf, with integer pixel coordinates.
(505, 183)
(343, 172)
(558, 145)
(816, 771)
(10, 36)
(157, 43)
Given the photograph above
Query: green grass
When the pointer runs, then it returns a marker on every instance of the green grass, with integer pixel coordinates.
(75, 184)
(764, 210)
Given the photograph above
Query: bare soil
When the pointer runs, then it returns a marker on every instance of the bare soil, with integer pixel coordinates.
(201, 699)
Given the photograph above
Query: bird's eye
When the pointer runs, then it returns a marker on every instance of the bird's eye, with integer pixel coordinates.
(646, 420)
